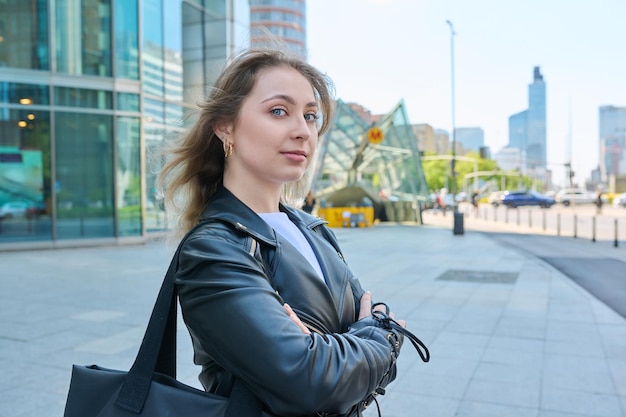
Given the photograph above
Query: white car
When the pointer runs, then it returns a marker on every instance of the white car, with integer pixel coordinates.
(495, 198)
(13, 209)
(576, 196)
(620, 200)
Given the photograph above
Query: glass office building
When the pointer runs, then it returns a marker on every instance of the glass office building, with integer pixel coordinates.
(282, 20)
(88, 89)
(389, 172)
(536, 147)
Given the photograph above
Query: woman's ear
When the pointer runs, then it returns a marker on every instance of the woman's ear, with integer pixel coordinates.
(222, 131)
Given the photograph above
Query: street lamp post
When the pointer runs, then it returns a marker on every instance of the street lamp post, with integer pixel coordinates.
(458, 219)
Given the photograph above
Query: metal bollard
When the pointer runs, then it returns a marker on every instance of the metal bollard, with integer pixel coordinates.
(593, 229)
(518, 215)
(616, 243)
(575, 227)
(558, 224)
(530, 218)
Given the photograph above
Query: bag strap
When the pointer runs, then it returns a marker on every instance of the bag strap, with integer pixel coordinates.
(157, 353)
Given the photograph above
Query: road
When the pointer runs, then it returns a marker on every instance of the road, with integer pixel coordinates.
(597, 265)
(591, 267)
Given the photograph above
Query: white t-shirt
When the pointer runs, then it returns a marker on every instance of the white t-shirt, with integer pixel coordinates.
(285, 227)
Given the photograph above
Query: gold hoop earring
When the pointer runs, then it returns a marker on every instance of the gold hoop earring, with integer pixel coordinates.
(228, 150)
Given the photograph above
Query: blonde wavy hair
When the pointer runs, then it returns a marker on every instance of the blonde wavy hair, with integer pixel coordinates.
(194, 161)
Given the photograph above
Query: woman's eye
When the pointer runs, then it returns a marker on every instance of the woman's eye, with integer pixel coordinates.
(278, 112)
(310, 117)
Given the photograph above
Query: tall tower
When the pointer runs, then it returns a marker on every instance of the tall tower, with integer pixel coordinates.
(283, 20)
(612, 141)
(536, 123)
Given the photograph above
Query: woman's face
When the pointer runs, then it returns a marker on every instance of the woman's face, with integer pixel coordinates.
(276, 133)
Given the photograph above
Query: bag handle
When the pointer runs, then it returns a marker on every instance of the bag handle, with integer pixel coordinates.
(157, 353)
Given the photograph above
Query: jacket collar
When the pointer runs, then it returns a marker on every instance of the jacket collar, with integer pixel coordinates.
(226, 207)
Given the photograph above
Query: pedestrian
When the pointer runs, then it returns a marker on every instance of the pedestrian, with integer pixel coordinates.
(265, 293)
(443, 205)
(475, 202)
(599, 202)
(309, 203)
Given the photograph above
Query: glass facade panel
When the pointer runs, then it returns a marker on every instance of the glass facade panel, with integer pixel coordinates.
(155, 214)
(152, 54)
(153, 111)
(126, 39)
(393, 167)
(173, 53)
(24, 175)
(25, 94)
(84, 169)
(24, 34)
(128, 102)
(128, 177)
(83, 37)
(82, 97)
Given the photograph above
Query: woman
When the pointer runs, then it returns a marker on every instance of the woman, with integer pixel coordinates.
(264, 290)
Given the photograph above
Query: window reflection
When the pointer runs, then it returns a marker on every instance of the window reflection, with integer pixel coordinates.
(128, 177)
(24, 175)
(84, 181)
(128, 102)
(25, 94)
(126, 39)
(24, 33)
(82, 97)
(83, 37)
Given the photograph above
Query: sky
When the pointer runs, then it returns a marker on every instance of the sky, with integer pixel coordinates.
(378, 52)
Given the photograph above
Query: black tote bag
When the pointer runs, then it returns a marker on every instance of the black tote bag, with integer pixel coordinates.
(150, 387)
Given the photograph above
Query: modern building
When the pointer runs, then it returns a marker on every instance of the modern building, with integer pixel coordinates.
(389, 173)
(471, 138)
(612, 141)
(518, 130)
(528, 129)
(536, 145)
(282, 20)
(88, 88)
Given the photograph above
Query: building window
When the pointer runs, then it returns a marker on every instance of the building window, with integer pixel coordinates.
(24, 34)
(82, 97)
(25, 190)
(128, 102)
(24, 94)
(126, 39)
(128, 177)
(83, 37)
(84, 181)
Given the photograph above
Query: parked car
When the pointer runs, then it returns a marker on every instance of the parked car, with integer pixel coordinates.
(513, 199)
(495, 198)
(576, 196)
(13, 209)
(620, 200)
(21, 209)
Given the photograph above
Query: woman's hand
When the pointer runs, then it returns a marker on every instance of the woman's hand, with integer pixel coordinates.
(294, 317)
(366, 309)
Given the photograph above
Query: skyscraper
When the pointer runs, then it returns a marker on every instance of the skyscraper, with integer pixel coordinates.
(471, 138)
(527, 129)
(536, 123)
(283, 20)
(612, 143)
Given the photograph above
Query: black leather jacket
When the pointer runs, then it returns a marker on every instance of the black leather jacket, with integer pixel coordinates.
(235, 274)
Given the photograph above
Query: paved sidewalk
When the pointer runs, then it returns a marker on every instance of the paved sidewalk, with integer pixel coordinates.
(509, 335)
